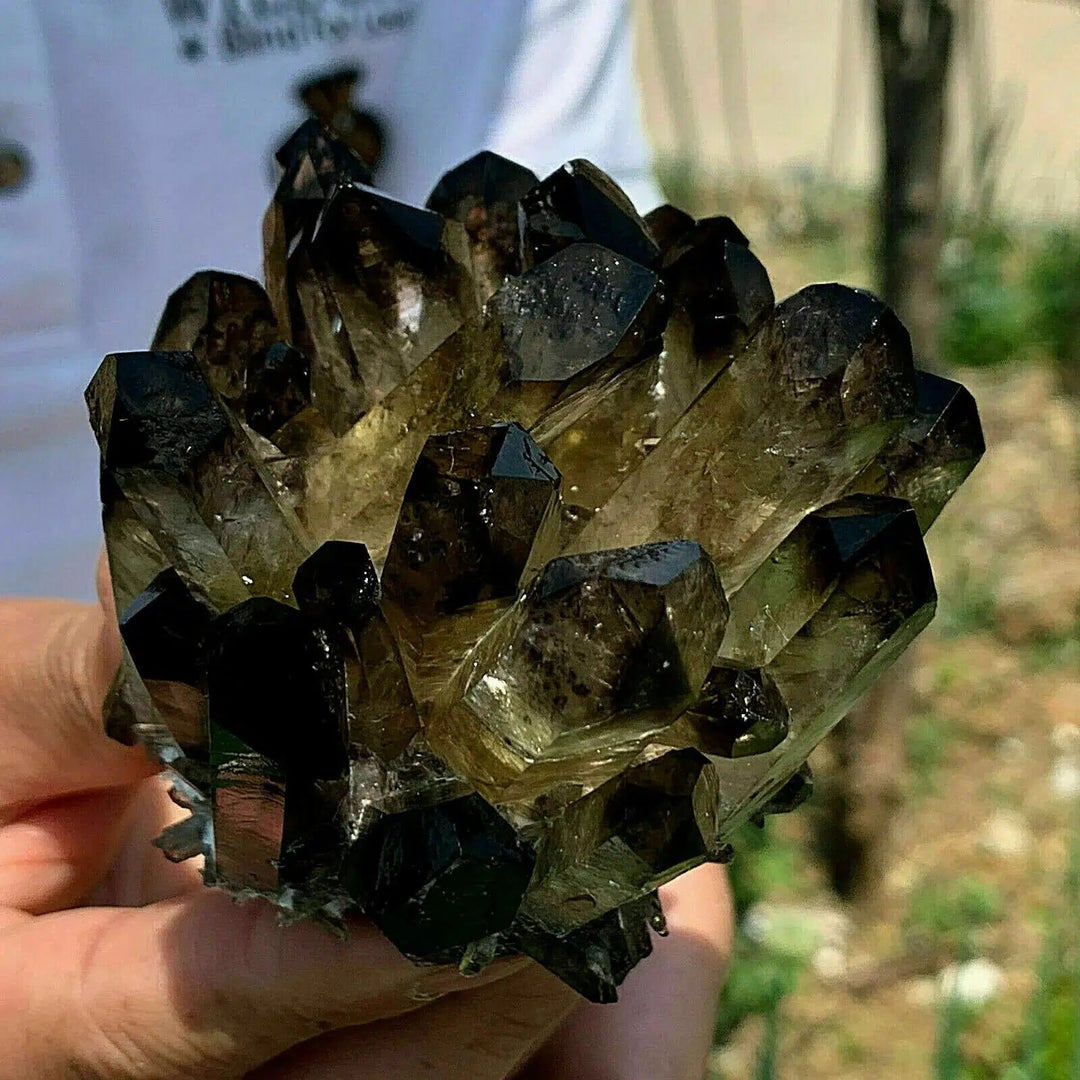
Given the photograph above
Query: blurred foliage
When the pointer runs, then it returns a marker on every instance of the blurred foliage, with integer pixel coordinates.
(759, 979)
(766, 863)
(1048, 1045)
(926, 742)
(1053, 649)
(967, 604)
(1053, 286)
(761, 975)
(950, 912)
(1008, 290)
(768, 1055)
(984, 312)
(953, 1019)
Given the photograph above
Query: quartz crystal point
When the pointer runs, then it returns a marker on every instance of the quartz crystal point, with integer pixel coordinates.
(932, 456)
(785, 428)
(313, 165)
(721, 296)
(479, 517)
(640, 829)
(486, 570)
(172, 452)
(603, 651)
(381, 285)
(482, 193)
(436, 878)
(580, 202)
(883, 598)
(666, 224)
(224, 320)
(163, 631)
(739, 713)
(595, 958)
(477, 507)
(785, 591)
(582, 306)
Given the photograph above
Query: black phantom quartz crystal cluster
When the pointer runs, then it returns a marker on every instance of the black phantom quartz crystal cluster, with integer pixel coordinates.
(487, 568)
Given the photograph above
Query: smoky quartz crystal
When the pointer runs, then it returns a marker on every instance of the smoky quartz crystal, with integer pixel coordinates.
(487, 568)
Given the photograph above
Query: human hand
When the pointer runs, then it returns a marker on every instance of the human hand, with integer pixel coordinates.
(116, 963)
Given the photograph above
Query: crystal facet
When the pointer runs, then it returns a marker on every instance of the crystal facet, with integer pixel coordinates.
(602, 651)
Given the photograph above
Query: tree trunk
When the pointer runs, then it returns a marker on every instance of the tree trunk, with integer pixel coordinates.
(914, 45)
(862, 791)
(863, 788)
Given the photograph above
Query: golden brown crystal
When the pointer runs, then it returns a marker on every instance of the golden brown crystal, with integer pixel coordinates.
(424, 555)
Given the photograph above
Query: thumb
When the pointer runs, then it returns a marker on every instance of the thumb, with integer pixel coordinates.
(193, 987)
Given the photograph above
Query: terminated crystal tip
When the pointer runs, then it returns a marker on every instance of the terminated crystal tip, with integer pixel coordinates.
(486, 569)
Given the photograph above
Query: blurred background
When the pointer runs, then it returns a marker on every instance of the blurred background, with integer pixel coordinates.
(920, 916)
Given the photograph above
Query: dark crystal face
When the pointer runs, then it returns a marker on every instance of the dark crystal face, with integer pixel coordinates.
(739, 713)
(596, 958)
(473, 511)
(580, 202)
(245, 647)
(224, 320)
(164, 631)
(313, 163)
(667, 224)
(338, 583)
(491, 566)
(583, 306)
(603, 650)
(645, 826)
(437, 878)
(482, 193)
(155, 411)
(277, 387)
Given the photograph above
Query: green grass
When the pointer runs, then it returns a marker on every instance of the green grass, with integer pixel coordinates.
(1047, 1046)
(967, 604)
(950, 913)
(768, 1055)
(926, 743)
(1053, 651)
(1052, 281)
(1007, 291)
(760, 976)
(983, 322)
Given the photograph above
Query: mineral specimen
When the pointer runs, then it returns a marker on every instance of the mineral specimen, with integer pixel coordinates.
(486, 570)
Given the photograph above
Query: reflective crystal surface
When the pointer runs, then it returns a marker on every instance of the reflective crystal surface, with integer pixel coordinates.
(581, 202)
(482, 193)
(603, 651)
(582, 306)
(486, 570)
(643, 827)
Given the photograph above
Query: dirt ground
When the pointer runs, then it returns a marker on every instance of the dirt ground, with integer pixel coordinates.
(993, 772)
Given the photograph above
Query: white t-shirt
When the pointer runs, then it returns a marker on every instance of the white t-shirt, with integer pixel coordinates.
(147, 127)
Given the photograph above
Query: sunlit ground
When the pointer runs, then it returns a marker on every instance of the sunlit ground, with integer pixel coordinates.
(986, 748)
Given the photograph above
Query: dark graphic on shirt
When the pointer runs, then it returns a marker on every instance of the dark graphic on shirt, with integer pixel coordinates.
(329, 96)
(14, 167)
(239, 29)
